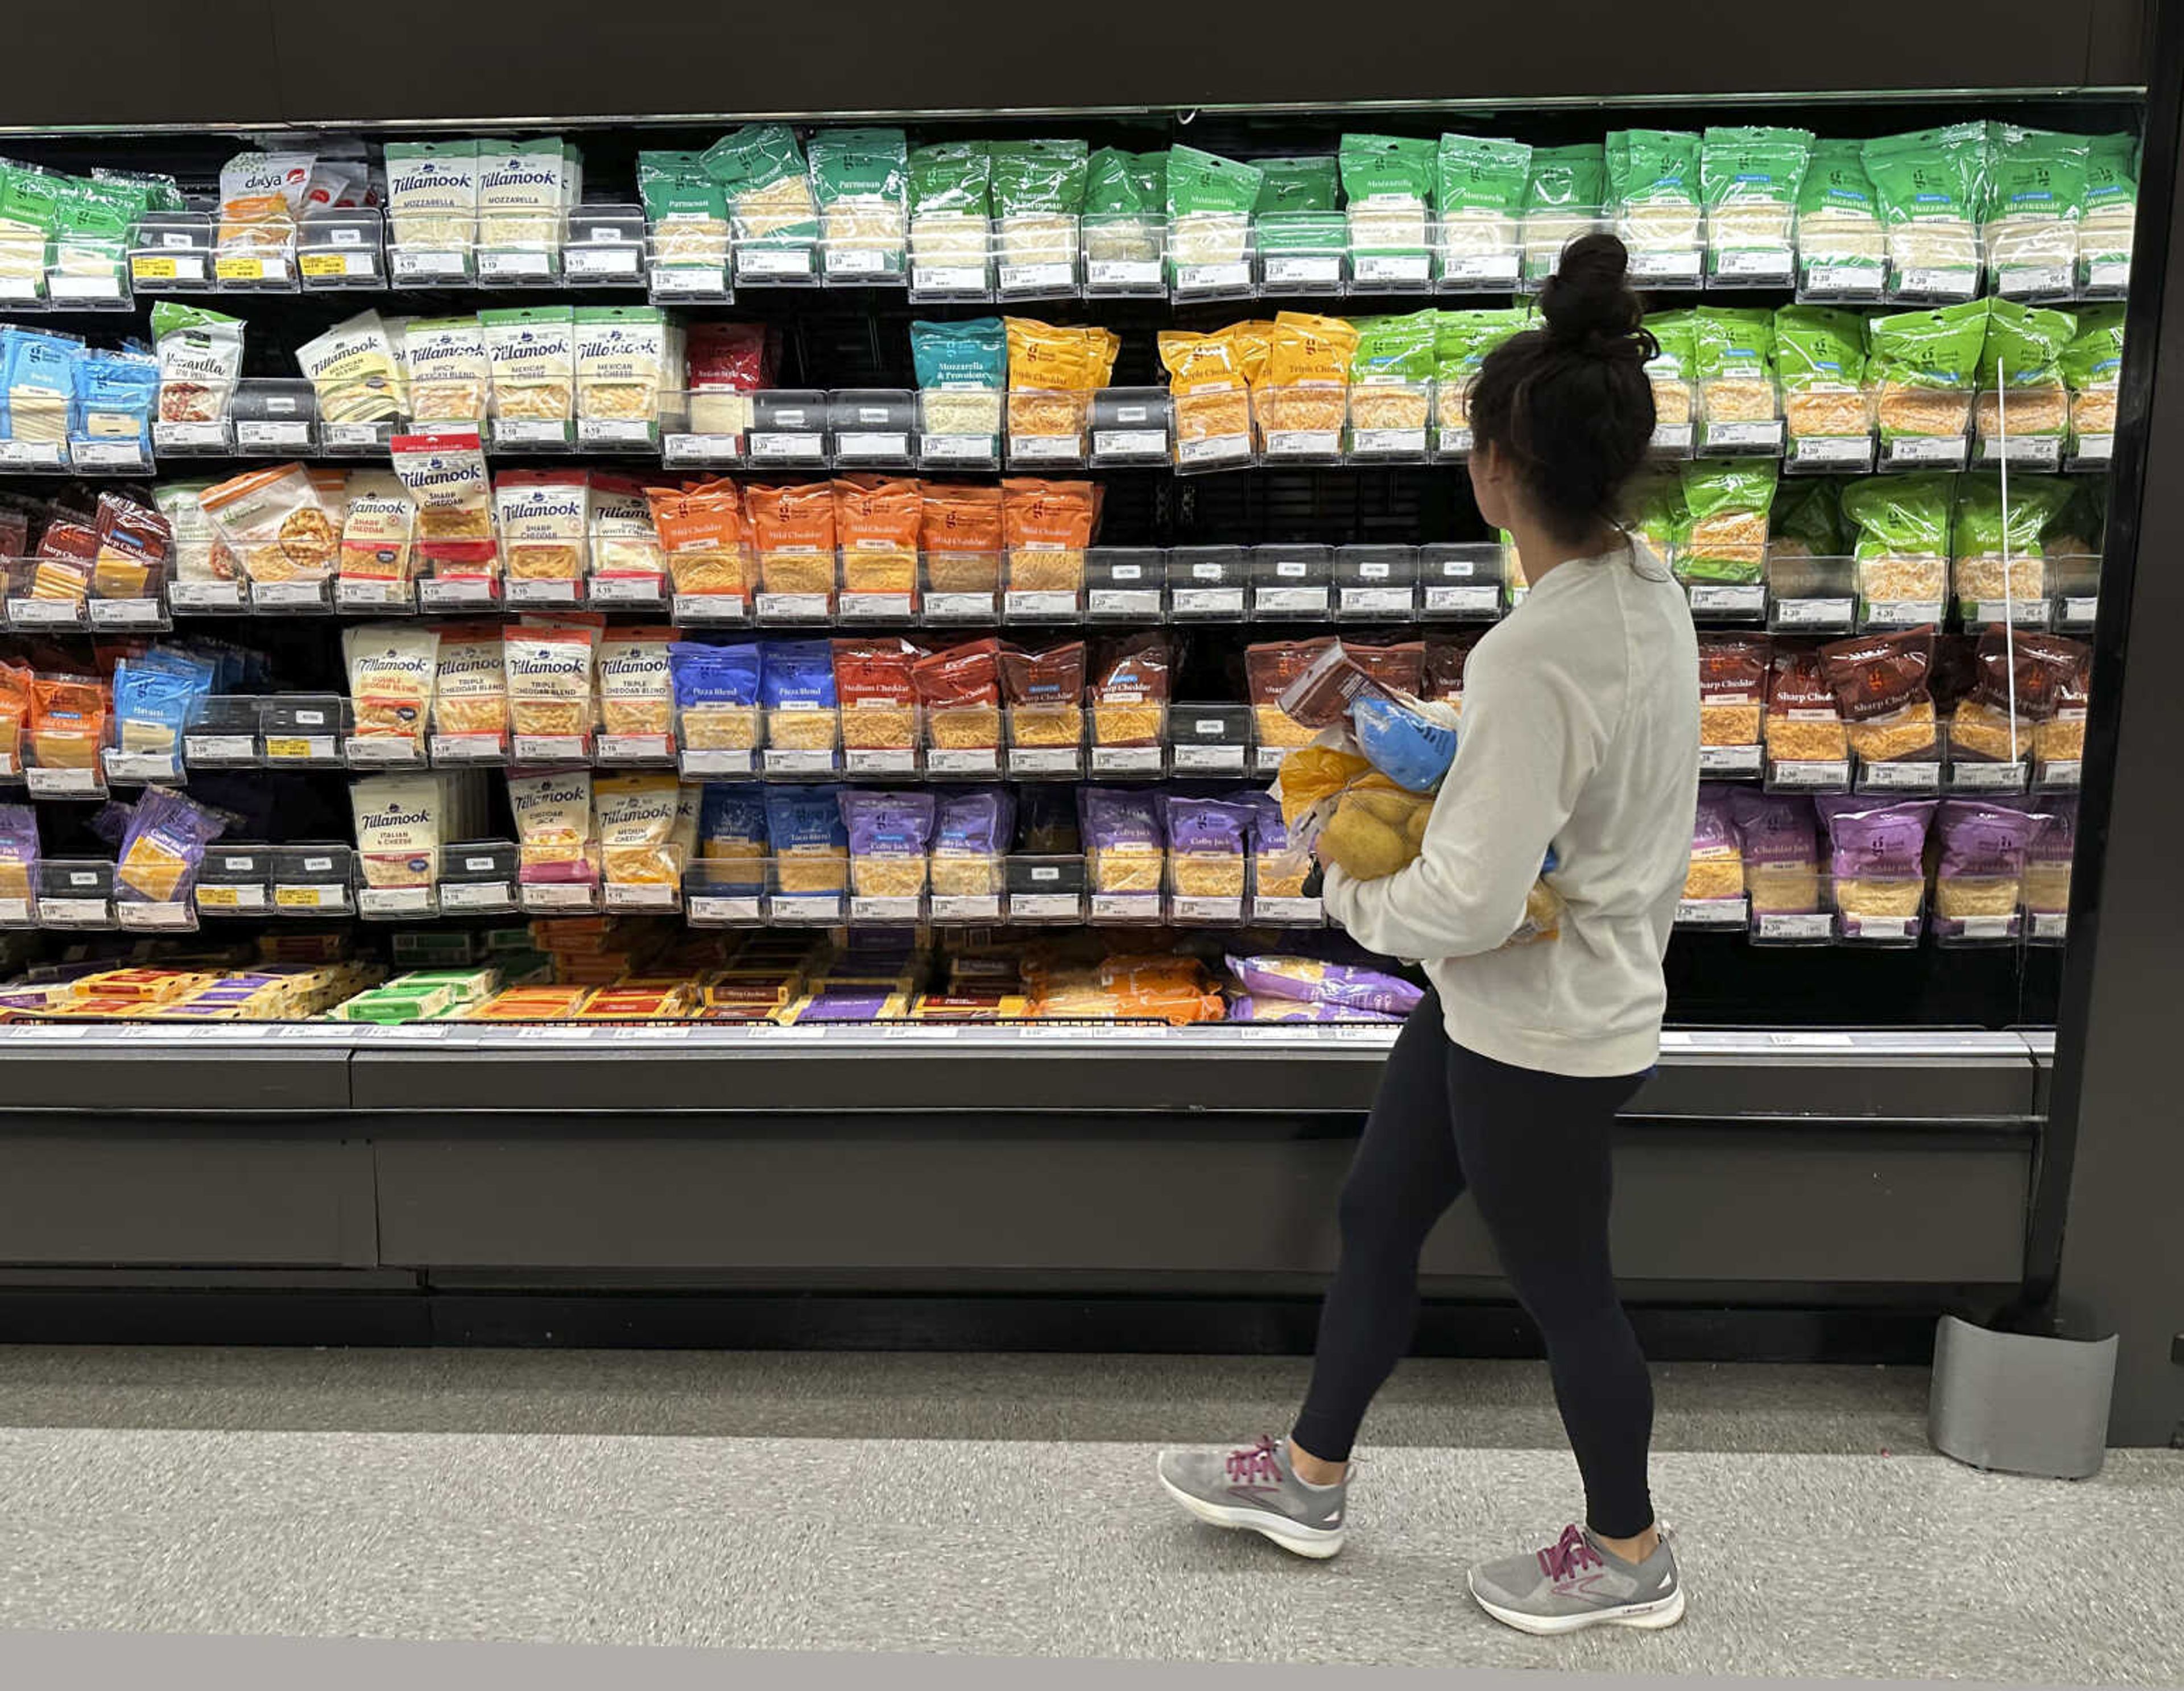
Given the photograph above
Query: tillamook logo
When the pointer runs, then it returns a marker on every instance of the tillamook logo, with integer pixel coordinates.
(398, 818)
(545, 665)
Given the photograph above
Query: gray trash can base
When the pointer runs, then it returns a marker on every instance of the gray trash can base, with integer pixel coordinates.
(2018, 1403)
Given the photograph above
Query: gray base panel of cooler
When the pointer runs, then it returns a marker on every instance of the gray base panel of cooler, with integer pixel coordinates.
(1122, 1160)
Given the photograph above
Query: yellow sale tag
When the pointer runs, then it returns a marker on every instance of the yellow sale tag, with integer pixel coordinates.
(324, 264)
(146, 267)
(220, 898)
(239, 269)
(297, 897)
(288, 748)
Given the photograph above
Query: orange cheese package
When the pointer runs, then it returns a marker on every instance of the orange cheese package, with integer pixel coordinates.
(1046, 526)
(960, 533)
(1053, 373)
(67, 721)
(700, 529)
(877, 524)
(1304, 387)
(792, 533)
(1211, 391)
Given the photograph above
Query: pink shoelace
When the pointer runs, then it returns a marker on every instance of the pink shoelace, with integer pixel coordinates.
(1571, 1554)
(1255, 1467)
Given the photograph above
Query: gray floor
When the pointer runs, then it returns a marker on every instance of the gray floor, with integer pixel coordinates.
(999, 1506)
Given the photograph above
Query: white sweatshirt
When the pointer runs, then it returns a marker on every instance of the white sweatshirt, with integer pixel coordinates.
(1581, 731)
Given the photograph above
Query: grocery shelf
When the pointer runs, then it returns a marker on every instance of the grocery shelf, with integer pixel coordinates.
(1904, 1077)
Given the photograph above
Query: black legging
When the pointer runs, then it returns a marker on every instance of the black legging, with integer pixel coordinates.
(1535, 1149)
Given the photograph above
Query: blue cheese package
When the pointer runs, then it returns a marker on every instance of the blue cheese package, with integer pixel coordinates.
(115, 393)
(1405, 742)
(1311, 981)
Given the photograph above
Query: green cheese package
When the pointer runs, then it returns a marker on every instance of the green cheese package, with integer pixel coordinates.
(1902, 543)
(1674, 369)
(950, 186)
(1388, 181)
(1997, 547)
(1841, 247)
(1038, 195)
(1461, 340)
(1749, 179)
(861, 180)
(1820, 359)
(766, 179)
(1923, 367)
(2020, 372)
(1655, 510)
(1125, 202)
(2091, 367)
(2035, 201)
(1725, 541)
(1287, 185)
(686, 209)
(2104, 233)
(1653, 189)
(1210, 200)
(1563, 199)
(1806, 523)
(1930, 185)
(1479, 186)
(1297, 210)
(1391, 373)
(1733, 359)
(26, 223)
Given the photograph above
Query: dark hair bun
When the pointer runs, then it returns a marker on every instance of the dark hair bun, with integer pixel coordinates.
(1588, 303)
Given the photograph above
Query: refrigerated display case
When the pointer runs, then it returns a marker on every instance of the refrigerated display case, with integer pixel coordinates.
(683, 755)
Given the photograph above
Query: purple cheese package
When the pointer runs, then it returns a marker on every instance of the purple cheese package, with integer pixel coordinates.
(1308, 981)
(1205, 825)
(1979, 883)
(887, 824)
(1254, 1009)
(1782, 840)
(974, 824)
(1877, 855)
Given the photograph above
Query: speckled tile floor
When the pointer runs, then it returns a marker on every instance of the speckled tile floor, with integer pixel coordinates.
(1004, 1507)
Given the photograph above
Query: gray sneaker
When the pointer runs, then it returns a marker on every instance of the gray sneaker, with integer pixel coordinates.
(1577, 1583)
(1253, 1491)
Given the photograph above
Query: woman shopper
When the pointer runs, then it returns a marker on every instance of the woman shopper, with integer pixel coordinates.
(1579, 732)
